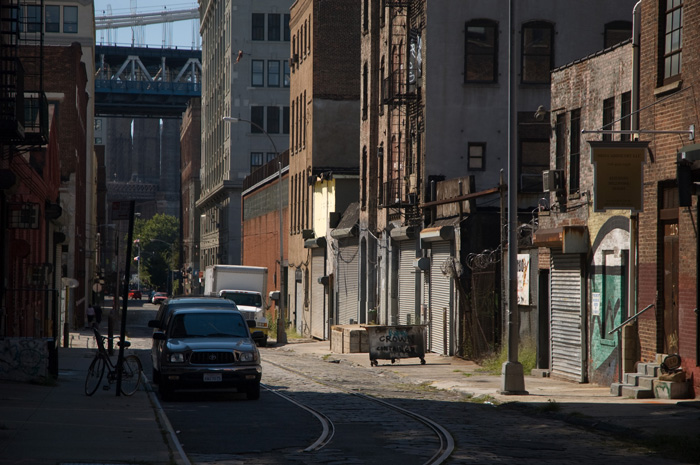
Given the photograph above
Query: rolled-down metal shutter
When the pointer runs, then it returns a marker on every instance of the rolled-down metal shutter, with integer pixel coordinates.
(407, 281)
(440, 300)
(318, 293)
(566, 315)
(348, 282)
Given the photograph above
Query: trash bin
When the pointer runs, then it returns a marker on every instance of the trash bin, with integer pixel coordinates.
(396, 342)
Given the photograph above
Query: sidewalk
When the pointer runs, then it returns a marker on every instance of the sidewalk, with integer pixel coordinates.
(586, 405)
(57, 423)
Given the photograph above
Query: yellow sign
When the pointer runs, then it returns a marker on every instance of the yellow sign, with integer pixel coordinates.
(618, 175)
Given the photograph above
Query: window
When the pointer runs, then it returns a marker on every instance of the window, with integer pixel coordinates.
(70, 19)
(285, 120)
(625, 115)
(608, 116)
(476, 155)
(481, 51)
(270, 156)
(256, 160)
(365, 16)
(285, 67)
(258, 26)
(575, 151)
(273, 73)
(258, 73)
(273, 120)
(98, 124)
(273, 26)
(534, 158)
(365, 96)
(52, 18)
(287, 33)
(616, 32)
(673, 40)
(257, 118)
(560, 147)
(33, 19)
(537, 52)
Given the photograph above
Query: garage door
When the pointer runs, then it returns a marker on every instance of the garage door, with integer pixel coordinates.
(348, 281)
(566, 316)
(440, 300)
(407, 282)
(318, 293)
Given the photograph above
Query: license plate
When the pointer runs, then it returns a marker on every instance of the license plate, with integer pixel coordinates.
(212, 377)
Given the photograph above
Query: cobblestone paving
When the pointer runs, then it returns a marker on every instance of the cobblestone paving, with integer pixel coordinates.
(484, 433)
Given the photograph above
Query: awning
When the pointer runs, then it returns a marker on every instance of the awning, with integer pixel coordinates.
(403, 233)
(315, 243)
(571, 239)
(438, 233)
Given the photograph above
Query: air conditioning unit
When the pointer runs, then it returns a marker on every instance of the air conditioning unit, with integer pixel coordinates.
(553, 180)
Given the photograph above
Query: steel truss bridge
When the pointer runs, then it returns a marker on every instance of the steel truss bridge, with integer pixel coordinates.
(146, 82)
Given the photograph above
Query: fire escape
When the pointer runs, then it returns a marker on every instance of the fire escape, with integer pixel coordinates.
(402, 94)
(23, 104)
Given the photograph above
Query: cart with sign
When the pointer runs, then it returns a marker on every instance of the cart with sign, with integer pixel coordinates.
(396, 342)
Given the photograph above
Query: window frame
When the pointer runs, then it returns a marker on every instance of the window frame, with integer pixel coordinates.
(285, 120)
(272, 119)
(575, 156)
(486, 24)
(286, 31)
(69, 25)
(257, 31)
(666, 41)
(271, 74)
(274, 29)
(257, 117)
(32, 18)
(608, 117)
(482, 157)
(255, 156)
(55, 25)
(286, 73)
(535, 26)
(257, 75)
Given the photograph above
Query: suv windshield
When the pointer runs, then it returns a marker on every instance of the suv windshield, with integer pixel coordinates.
(248, 300)
(221, 324)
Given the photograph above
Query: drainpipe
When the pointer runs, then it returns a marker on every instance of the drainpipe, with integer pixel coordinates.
(634, 217)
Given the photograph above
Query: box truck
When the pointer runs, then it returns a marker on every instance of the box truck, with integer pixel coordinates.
(247, 287)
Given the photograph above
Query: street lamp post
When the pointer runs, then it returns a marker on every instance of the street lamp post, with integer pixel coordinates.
(281, 333)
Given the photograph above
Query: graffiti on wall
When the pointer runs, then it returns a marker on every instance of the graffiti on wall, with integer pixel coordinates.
(23, 359)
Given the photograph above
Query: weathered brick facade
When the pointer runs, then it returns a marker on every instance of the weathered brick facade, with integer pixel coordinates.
(666, 229)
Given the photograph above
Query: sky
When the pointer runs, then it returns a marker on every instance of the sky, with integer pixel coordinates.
(180, 34)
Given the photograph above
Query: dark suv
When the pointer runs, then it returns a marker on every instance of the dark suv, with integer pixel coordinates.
(208, 347)
(187, 302)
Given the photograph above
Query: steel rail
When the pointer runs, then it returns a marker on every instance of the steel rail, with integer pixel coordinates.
(447, 443)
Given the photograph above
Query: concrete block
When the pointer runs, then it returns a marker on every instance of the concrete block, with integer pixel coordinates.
(671, 390)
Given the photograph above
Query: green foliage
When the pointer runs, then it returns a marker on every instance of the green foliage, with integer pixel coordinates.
(158, 247)
(527, 356)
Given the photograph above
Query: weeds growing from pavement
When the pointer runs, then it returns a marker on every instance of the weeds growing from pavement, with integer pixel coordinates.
(550, 406)
(527, 356)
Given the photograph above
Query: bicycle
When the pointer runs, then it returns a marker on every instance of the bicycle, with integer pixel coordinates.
(130, 373)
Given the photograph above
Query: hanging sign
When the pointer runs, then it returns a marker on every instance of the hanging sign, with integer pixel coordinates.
(618, 175)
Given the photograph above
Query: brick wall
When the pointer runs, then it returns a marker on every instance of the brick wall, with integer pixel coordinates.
(670, 108)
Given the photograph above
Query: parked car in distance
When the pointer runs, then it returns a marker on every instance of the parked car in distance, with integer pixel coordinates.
(135, 294)
(188, 302)
(203, 348)
(159, 297)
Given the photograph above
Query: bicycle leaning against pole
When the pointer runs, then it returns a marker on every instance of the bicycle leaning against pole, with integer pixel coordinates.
(130, 373)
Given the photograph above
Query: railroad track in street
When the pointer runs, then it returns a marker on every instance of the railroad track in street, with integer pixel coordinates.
(331, 402)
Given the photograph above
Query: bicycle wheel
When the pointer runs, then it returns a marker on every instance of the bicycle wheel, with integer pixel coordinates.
(131, 375)
(94, 375)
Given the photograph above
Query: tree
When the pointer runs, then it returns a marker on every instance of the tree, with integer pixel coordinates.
(159, 245)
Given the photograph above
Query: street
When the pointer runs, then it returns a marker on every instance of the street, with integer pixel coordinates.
(304, 396)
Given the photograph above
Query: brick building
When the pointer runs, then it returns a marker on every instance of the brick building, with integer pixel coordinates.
(190, 145)
(584, 254)
(669, 61)
(323, 148)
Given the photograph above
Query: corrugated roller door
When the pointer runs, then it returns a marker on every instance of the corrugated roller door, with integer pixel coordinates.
(566, 314)
(348, 282)
(440, 292)
(318, 293)
(407, 281)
